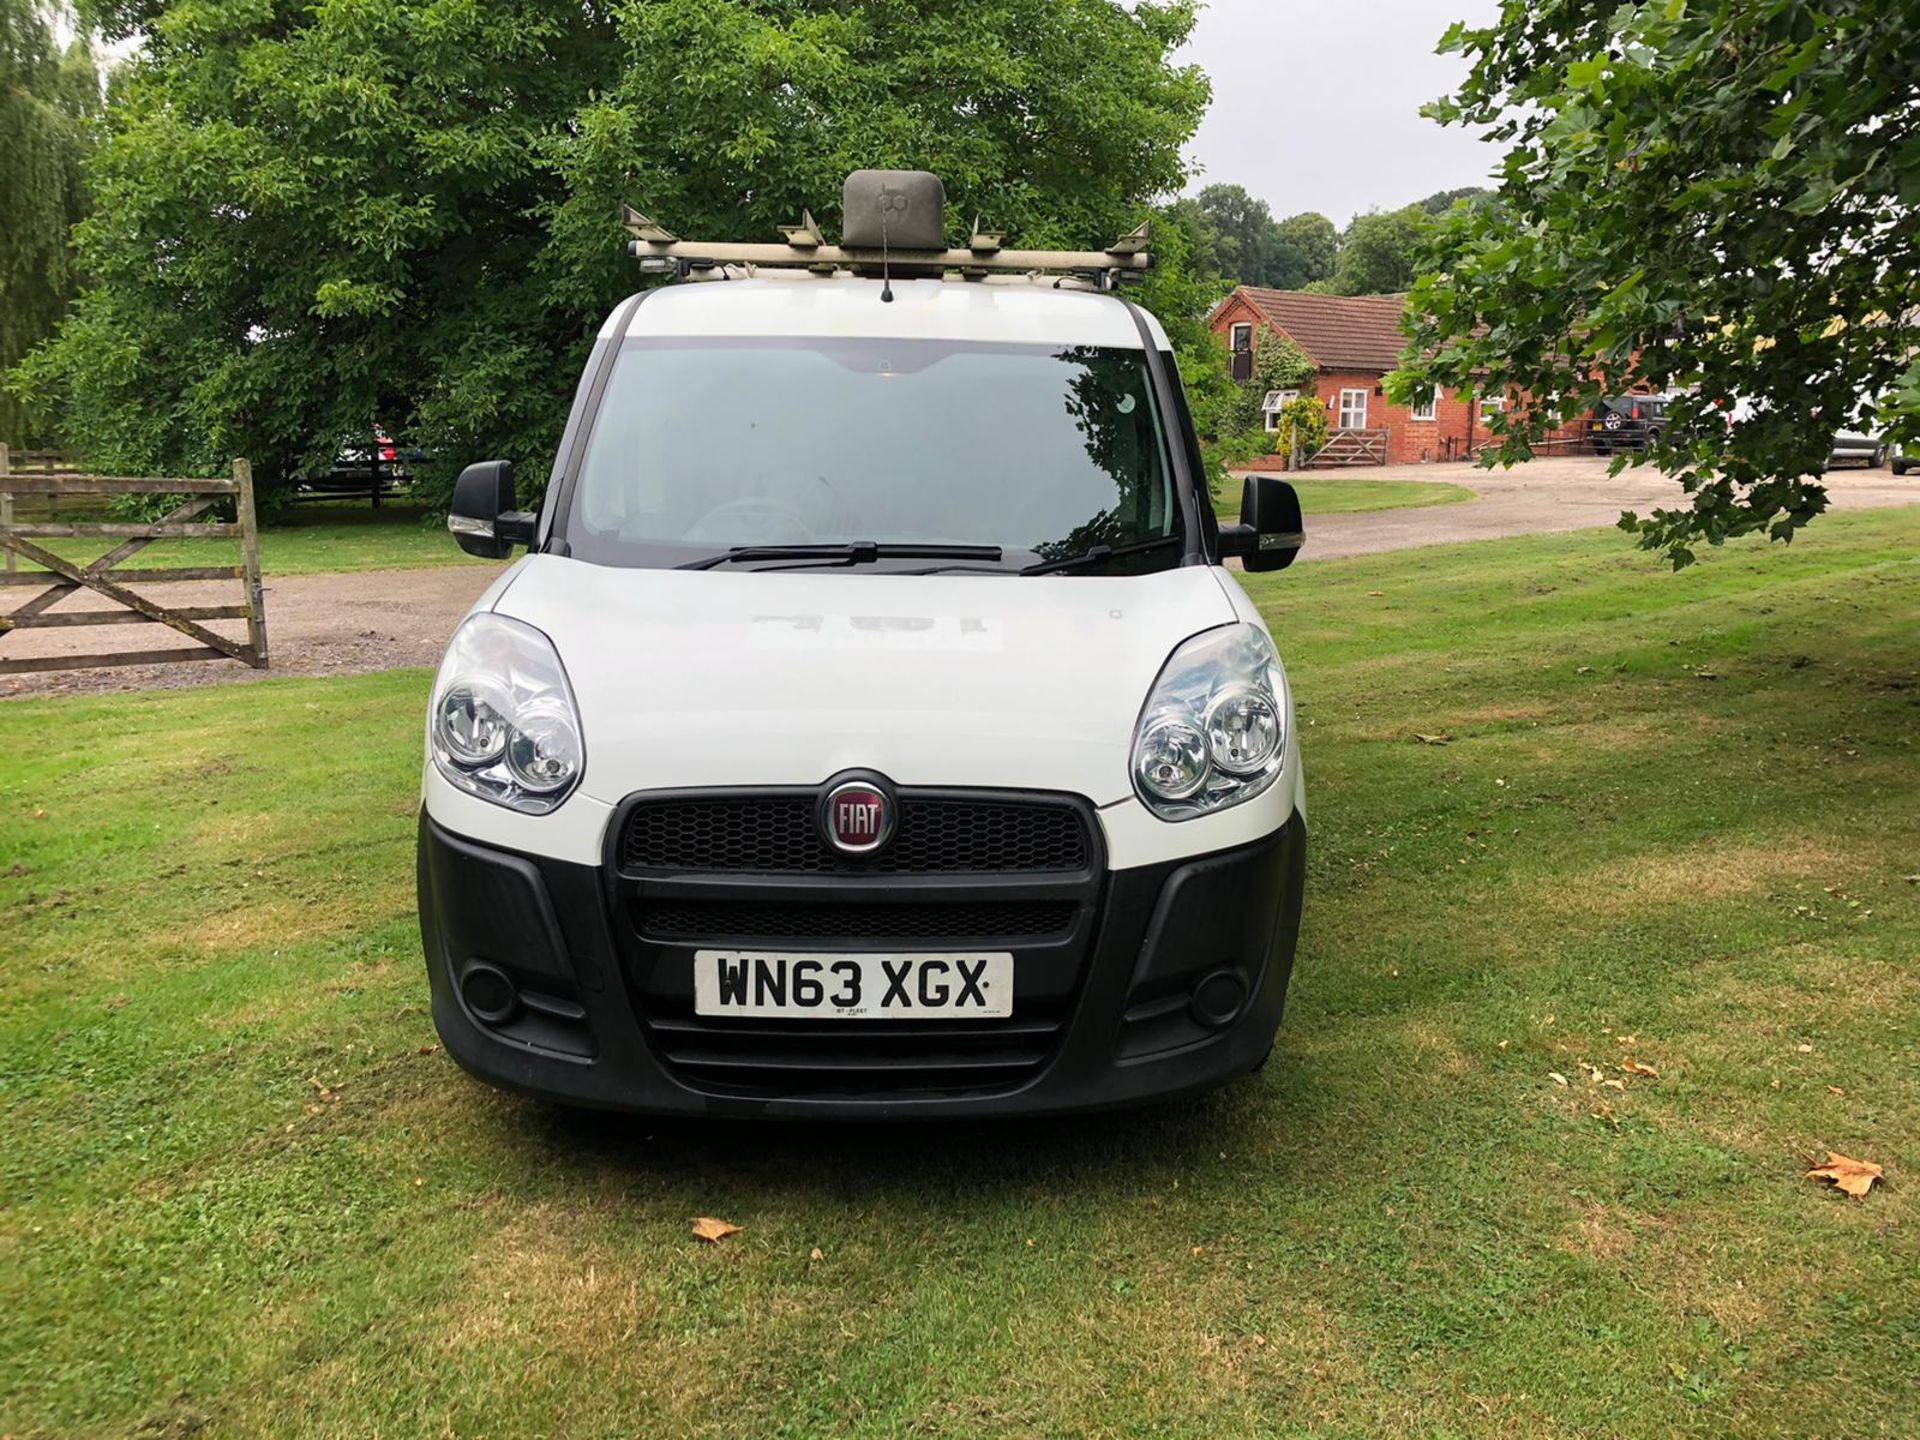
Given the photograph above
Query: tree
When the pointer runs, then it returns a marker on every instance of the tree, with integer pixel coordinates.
(313, 218)
(1246, 243)
(1710, 199)
(1379, 252)
(1309, 246)
(1442, 201)
(48, 98)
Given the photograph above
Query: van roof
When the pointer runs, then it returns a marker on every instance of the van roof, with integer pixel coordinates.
(849, 306)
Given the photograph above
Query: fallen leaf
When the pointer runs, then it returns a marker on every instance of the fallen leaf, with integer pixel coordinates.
(1556, 1077)
(1440, 739)
(814, 1254)
(1199, 1250)
(1856, 1177)
(1592, 1072)
(1615, 1084)
(1835, 1090)
(1804, 1049)
(1705, 675)
(1634, 1067)
(1605, 1112)
(428, 1049)
(1584, 670)
(1259, 1339)
(1503, 1044)
(1628, 1039)
(713, 1231)
(1376, 594)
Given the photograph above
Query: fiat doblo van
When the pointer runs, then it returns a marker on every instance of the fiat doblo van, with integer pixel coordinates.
(873, 727)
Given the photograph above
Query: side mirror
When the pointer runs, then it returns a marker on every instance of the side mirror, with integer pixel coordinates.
(483, 520)
(1271, 530)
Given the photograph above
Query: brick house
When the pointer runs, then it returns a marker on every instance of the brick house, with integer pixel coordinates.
(1352, 341)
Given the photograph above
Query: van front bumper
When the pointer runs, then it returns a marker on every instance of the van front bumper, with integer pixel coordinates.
(573, 982)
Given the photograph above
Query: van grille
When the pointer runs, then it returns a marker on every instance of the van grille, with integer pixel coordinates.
(857, 1057)
(776, 921)
(980, 870)
(779, 835)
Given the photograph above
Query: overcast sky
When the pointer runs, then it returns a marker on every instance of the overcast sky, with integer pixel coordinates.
(1316, 103)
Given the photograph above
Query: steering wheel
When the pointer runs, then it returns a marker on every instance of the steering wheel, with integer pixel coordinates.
(751, 520)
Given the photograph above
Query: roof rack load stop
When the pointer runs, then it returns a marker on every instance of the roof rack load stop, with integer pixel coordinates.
(896, 225)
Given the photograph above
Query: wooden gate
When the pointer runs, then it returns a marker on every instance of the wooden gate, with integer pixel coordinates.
(1351, 447)
(108, 577)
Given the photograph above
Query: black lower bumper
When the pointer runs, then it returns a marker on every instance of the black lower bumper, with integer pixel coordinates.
(1165, 980)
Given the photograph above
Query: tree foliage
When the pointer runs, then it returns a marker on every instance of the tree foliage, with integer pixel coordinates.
(313, 218)
(1378, 252)
(1313, 243)
(1713, 198)
(1303, 418)
(48, 99)
(1239, 238)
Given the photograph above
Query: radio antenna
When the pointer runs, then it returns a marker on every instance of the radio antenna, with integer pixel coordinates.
(886, 273)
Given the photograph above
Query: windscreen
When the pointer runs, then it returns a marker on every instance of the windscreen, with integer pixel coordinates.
(702, 446)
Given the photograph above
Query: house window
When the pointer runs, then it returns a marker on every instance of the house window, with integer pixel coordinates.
(1427, 409)
(1276, 401)
(1242, 338)
(1353, 409)
(1492, 405)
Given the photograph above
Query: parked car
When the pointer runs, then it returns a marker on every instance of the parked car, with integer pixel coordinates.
(1898, 457)
(888, 740)
(1870, 450)
(1628, 422)
(356, 468)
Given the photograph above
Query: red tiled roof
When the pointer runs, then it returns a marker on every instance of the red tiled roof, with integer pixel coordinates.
(1338, 332)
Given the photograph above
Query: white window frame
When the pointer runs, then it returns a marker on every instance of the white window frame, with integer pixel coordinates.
(1275, 402)
(1427, 410)
(1347, 408)
(1492, 404)
(1233, 337)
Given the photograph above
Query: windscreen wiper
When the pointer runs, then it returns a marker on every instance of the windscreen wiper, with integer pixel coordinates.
(1095, 554)
(852, 552)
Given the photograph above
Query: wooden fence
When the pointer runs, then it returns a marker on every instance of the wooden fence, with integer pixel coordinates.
(107, 576)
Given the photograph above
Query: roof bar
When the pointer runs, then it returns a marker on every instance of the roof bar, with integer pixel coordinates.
(659, 250)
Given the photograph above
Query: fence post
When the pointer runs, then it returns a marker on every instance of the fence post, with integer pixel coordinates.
(250, 564)
(6, 498)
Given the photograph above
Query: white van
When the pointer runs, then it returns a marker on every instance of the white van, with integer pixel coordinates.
(872, 728)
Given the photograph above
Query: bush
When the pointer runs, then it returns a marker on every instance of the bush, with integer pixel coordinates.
(1305, 417)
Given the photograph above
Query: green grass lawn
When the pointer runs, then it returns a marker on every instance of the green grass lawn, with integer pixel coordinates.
(1351, 497)
(309, 540)
(1678, 821)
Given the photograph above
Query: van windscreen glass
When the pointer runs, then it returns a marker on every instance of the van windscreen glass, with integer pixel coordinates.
(702, 446)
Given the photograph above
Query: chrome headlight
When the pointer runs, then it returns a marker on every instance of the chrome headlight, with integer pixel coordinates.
(1213, 732)
(503, 724)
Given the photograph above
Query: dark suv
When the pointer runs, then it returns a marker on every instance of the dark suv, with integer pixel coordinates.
(1627, 422)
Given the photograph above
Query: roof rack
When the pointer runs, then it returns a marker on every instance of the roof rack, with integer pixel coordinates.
(908, 205)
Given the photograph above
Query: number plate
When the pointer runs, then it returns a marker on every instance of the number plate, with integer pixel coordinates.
(767, 985)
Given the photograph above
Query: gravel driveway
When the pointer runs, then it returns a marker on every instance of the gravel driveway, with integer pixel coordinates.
(384, 619)
(1562, 492)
